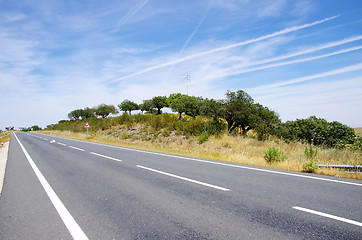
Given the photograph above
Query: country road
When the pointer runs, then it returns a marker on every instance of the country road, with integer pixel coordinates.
(58, 188)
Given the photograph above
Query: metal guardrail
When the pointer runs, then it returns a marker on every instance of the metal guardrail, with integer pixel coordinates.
(347, 167)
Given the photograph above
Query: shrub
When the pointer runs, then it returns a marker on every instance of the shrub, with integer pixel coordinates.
(166, 132)
(310, 152)
(274, 155)
(310, 167)
(317, 131)
(203, 137)
(126, 135)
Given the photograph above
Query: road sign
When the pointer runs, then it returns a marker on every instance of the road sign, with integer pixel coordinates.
(86, 125)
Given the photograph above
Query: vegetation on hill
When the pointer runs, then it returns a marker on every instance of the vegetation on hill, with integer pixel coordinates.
(234, 129)
(236, 114)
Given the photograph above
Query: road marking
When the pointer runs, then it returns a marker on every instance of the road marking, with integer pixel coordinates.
(183, 178)
(77, 148)
(61, 144)
(329, 216)
(100, 155)
(68, 220)
(223, 164)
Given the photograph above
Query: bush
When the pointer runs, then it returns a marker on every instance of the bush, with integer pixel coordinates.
(310, 153)
(204, 137)
(310, 167)
(274, 155)
(318, 132)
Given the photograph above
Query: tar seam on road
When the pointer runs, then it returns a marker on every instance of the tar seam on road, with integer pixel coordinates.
(185, 179)
(328, 216)
(69, 221)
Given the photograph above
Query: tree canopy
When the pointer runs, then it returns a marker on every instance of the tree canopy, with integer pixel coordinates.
(159, 102)
(104, 110)
(129, 106)
(317, 131)
(185, 104)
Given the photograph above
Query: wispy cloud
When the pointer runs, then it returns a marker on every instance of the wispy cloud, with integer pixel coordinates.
(335, 100)
(310, 50)
(215, 50)
(245, 69)
(351, 68)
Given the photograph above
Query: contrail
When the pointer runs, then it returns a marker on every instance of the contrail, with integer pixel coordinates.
(234, 71)
(190, 38)
(278, 33)
(131, 13)
(242, 68)
(310, 50)
(351, 68)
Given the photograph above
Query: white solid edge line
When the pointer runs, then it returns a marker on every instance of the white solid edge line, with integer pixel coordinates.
(68, 220)
(328, 216)
(222, 164)
(100, 155)
(185, 179)
(76, 148)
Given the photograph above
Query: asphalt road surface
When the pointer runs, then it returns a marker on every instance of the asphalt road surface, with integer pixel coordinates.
(58, 188)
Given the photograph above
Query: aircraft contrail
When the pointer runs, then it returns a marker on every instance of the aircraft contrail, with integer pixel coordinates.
(186, 43)
(351, 68)
(130, 14)
(278, 33)
(234, 71)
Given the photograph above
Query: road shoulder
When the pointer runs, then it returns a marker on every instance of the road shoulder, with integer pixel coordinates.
(3, 159)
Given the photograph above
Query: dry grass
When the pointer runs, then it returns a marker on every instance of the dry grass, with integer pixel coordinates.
(4, 137)
(358, 131)
(225, 148)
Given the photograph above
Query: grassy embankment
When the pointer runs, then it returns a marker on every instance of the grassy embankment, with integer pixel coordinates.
(4, 137)
(233, 149)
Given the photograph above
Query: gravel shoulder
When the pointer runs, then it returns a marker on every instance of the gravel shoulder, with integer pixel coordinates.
(3, 159)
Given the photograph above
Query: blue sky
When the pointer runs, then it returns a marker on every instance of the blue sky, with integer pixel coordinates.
(299, 58)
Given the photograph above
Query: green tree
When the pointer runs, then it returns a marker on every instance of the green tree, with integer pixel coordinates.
(147, 106)
(159, 102)
(317, 131)
(186, 104)
(267, 121)
(172, 97)
(81, 113)
(87, 113)
(104, 110)
(75, 114)
(193, 105)
(239, 111)
(212, 108)
(129, 106)
(340, 135)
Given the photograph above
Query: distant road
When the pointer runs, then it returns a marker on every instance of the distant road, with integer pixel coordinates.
(58, 188)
